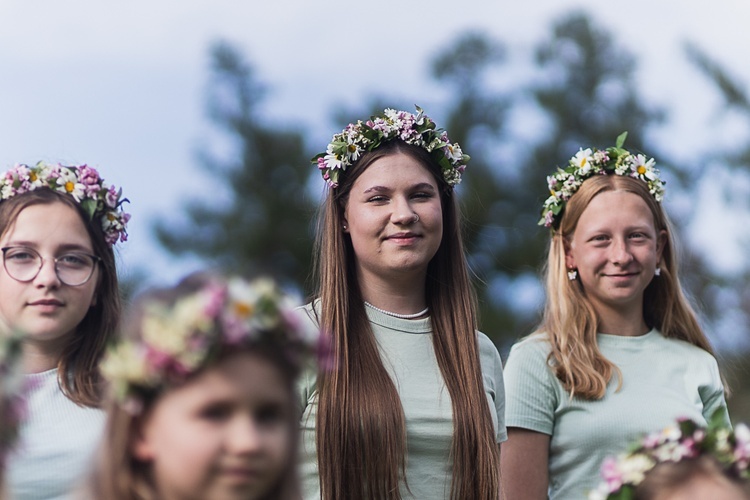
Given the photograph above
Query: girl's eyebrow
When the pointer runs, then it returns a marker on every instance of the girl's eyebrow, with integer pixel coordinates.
(378, 189)
(67, 247)
(420, 185)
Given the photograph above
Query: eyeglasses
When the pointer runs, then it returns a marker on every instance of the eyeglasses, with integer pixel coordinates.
(73, 269)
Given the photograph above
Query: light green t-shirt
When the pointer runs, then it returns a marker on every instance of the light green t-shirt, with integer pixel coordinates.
(662, 380)
(408, 356)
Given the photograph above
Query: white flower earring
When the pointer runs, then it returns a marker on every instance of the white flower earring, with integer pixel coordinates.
(572, 274)
(657, 271)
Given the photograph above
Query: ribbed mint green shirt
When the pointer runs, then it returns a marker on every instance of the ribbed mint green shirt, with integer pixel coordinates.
(662, 380)
(407, 353)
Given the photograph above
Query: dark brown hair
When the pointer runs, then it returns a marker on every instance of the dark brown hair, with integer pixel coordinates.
(360, 427)
(78, 366)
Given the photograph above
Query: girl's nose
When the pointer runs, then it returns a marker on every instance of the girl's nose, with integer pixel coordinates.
(403, 213)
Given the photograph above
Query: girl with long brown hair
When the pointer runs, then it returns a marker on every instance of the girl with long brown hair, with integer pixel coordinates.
(620, 351)
(58, 288)
(413, 406)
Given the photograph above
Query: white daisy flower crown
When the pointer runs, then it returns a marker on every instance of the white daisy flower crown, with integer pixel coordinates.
(98, 199)
(12, 386)
(419, 130)
(177, 340)
(684, 441)
(586, 163)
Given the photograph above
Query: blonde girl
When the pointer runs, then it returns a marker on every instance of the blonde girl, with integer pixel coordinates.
(58, 287)
(620, 352)
(413, 407)
(203, 395)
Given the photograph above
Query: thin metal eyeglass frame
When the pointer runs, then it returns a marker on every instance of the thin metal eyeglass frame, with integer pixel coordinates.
(95, 258)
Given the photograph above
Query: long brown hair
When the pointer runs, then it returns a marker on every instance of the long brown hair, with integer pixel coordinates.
(78, 366)
(570, 320)
(360, 427)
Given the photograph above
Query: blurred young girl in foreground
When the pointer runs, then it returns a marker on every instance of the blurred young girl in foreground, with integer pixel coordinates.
(684, 461)
(203, 395)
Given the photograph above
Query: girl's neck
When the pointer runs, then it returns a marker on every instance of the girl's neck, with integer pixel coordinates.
(39, 358)
(627, 323)
(402, 296)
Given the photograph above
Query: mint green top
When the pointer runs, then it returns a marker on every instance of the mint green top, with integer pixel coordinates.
(662, 380)
(408, 355)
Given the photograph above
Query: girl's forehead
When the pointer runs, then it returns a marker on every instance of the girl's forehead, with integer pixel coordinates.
(52, 224)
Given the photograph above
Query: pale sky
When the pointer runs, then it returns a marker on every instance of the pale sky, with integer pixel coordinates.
(122, 87)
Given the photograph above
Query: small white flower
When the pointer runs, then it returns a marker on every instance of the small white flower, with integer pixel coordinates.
(583, 160)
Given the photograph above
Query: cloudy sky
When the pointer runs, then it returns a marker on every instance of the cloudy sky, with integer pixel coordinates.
(121, 87)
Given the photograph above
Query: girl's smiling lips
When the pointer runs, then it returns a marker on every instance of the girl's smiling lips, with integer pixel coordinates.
(52, 303)
(403, 237)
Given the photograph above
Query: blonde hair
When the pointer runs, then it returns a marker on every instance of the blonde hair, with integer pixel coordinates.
(78, 367)
(360, 427)
(570, 320)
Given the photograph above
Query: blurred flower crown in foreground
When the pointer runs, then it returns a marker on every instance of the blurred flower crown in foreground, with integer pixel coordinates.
(684, 441)
(179, 338)
(419, 130)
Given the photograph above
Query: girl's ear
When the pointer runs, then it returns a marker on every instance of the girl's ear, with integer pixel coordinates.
(570, 261)
(140, 445)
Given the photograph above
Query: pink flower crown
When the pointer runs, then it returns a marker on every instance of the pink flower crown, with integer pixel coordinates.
(83, 183)
(419, 130)
(12, 388)
(687, 440)
(586, 163)
(177, 340)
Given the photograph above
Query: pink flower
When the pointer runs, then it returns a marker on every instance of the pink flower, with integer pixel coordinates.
(611, 474)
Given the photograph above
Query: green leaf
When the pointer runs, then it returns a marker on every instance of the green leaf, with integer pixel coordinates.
(621, 139)
(89, 206)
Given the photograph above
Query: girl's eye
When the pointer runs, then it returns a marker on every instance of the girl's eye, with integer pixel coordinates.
(73, 259)
(216, 412)
(377, 199)
(20, 255)
(269, 415)
(423, 195)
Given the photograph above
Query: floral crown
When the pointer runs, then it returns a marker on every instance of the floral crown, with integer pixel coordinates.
(419, 130)
(12, 385)
(177, 340)
(685, 440)
(83, 183)
(586, 163)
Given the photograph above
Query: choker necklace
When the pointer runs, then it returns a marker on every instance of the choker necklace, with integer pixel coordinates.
(396, 315)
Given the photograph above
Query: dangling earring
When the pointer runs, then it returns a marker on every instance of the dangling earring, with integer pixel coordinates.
(572, 274)
(657, 271)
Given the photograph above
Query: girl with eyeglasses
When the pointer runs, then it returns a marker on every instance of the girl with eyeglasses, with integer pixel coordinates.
(58, 286)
